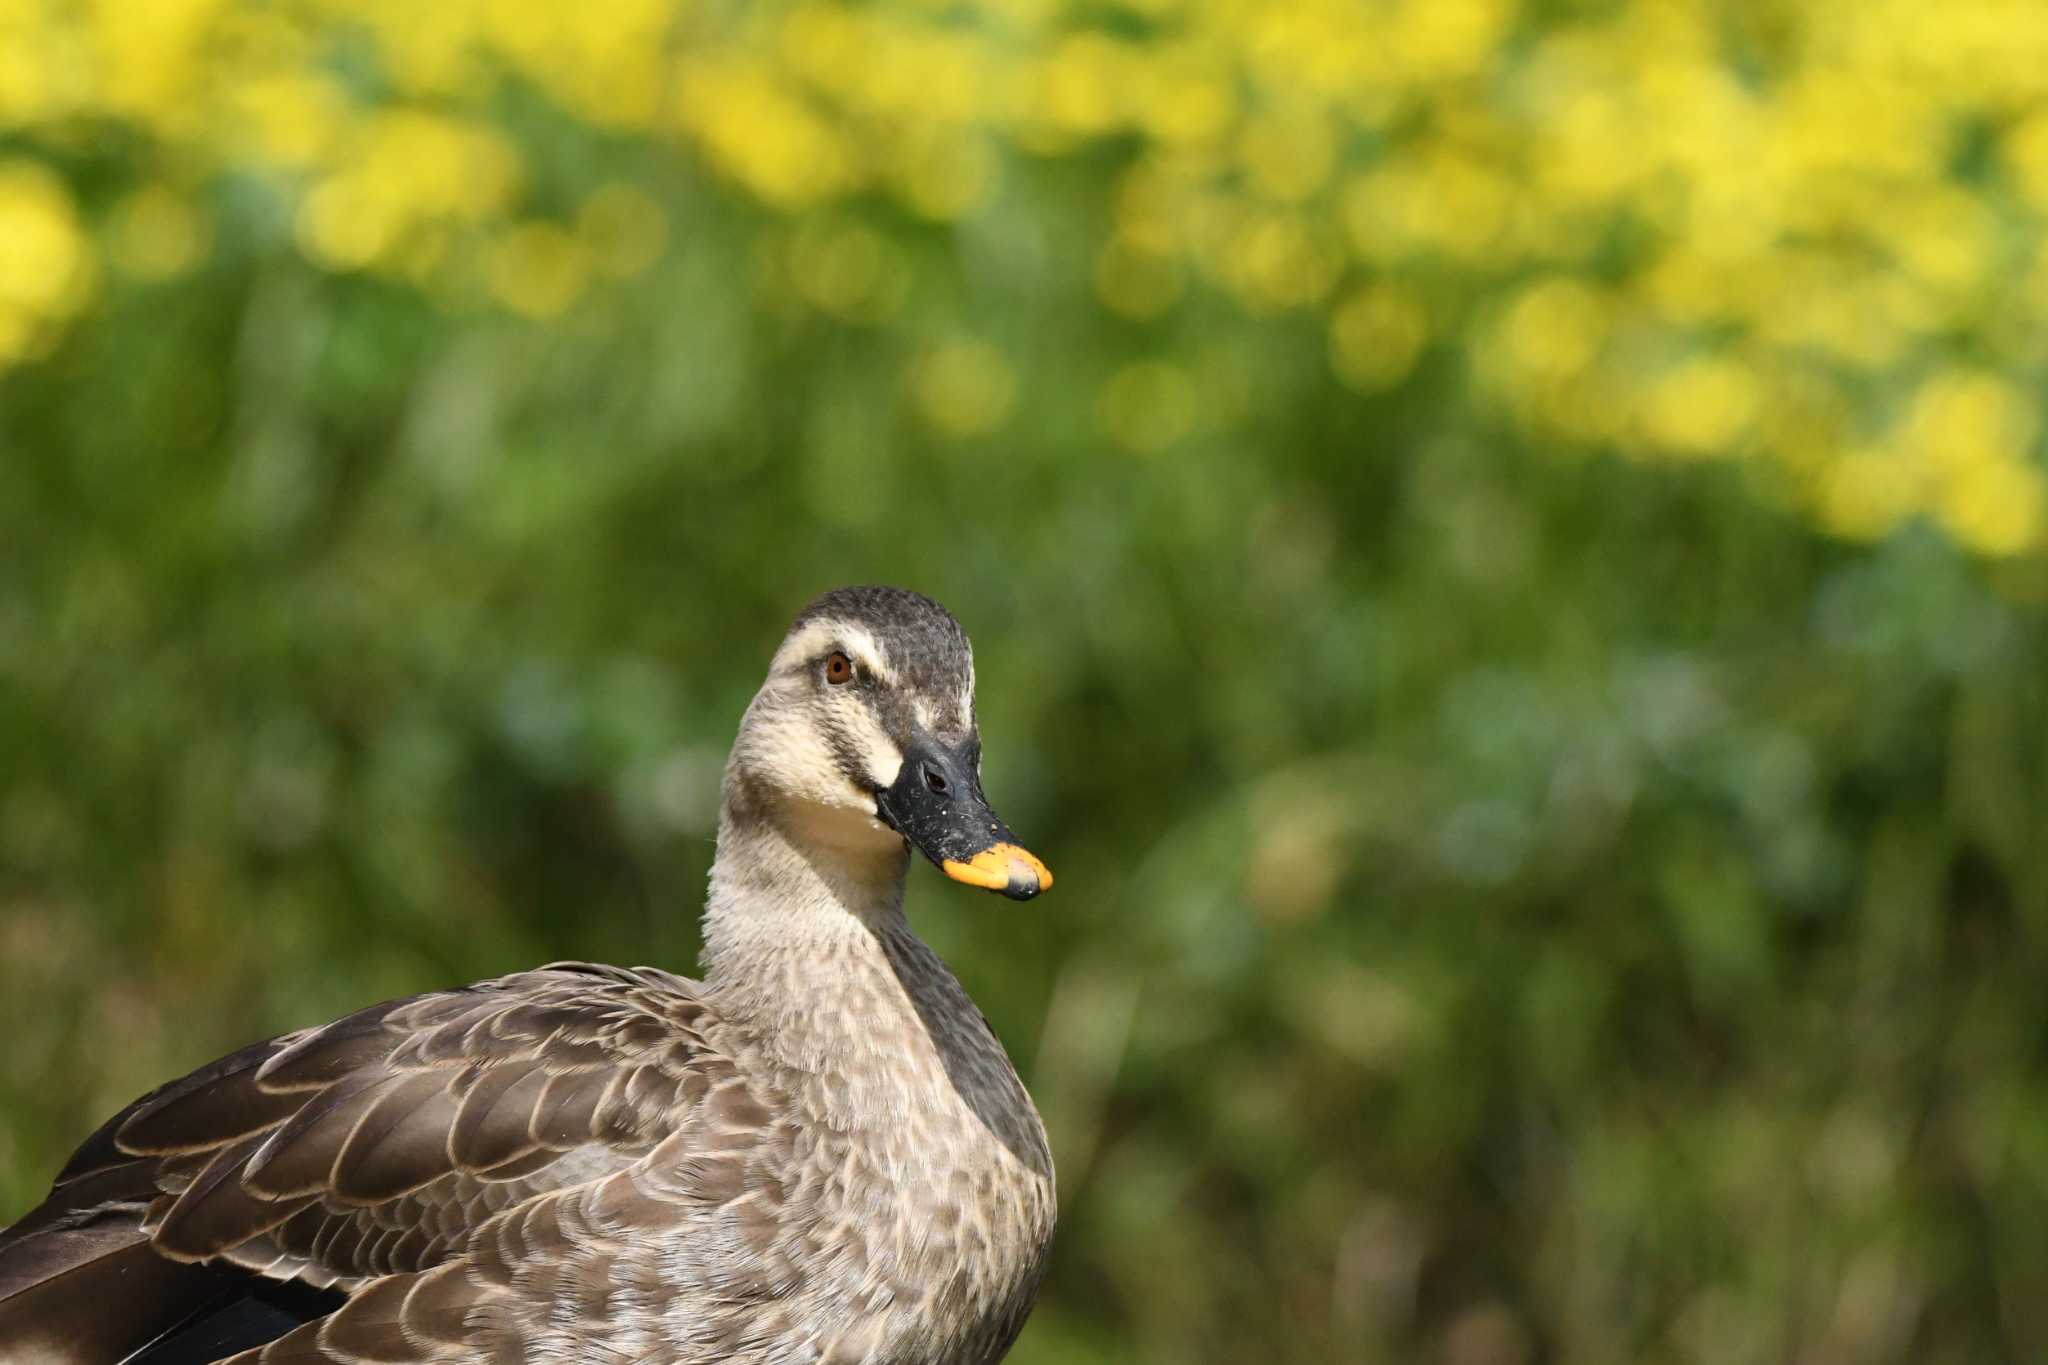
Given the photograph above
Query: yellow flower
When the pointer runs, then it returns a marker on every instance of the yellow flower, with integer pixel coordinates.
(963, 388)
(762, 133)
(2025, 153)
(845, 268)
(539, 270)
(292, 118)
(150, 57)
(1376, 336)
(1553, 329)
(1865, 494)
(1276, 261)
(156, 233)
(1442, 39)
(1083, 87)
(46, 272)
(1703, 407)
(1963, 418)
(945, 175)
(1186, 96)
(1996, 507)
(1640, 224)
(1287, 156)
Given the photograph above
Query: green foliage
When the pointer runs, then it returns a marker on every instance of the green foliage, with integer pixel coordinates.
(1511, 907)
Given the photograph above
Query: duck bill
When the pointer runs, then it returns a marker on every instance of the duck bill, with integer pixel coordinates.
(1005, 867)
(937, 806)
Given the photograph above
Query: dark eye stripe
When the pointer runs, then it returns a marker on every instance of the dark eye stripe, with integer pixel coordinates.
(848, 754)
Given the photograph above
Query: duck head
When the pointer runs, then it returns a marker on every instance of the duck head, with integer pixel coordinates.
(864, 737)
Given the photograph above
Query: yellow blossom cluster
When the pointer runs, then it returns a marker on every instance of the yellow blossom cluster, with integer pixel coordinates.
(1800, 233)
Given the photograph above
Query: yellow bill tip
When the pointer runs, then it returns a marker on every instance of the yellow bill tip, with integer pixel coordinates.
(1015, 872)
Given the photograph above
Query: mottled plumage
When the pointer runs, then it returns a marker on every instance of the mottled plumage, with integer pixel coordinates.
(820, 1153)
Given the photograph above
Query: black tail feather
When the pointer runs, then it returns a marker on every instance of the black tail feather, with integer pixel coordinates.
(260, 1311)
(97, 1293)
(94, 1296)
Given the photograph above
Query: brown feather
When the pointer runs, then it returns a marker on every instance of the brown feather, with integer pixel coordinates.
(566, 1114)
(399, 1144)
(496, 1122)
(439, 1304)
(84, 1199)
(371, 1147)
(299, 1157)
(371, 1325)
(213, 1105)
(445, 1035)
(217, 1210)
(326, 1055)
(621, 1207)
(519, 1168)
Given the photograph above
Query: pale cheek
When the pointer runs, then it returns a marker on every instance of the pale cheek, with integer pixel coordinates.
(879, 754)
(885, 766)
(795, 759)
(792, 753)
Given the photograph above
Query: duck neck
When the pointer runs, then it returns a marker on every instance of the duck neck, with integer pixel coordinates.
(808, 955)
(796, 925)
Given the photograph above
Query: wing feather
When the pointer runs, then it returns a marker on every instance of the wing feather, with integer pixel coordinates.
(495, 1123)
(399, 1143)
(217, 1210)
(373, 1144)
(320, 1057)
(438, 1158)
(298, 1157)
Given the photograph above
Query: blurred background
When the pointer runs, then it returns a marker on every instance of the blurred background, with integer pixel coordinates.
(1504, 539)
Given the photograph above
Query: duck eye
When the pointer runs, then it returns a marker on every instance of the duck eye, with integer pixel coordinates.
(838, 669)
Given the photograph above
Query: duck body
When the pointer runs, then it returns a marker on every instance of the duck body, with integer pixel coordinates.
(818, 1155)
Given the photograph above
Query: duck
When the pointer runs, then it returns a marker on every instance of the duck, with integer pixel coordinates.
(817, 1152)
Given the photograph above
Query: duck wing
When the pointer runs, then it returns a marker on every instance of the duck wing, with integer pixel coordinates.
(373, 1146)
